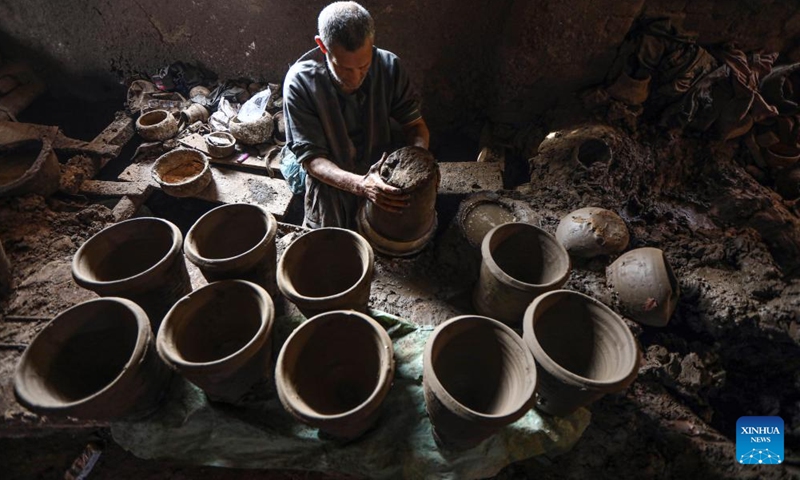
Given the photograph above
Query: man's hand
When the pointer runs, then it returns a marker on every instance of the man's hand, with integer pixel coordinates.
(385, 196)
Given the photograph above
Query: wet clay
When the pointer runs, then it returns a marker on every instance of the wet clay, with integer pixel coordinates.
(182, 173)
(484, 217)
(408, 168)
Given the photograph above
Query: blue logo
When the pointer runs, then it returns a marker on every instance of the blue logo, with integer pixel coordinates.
(759, 440)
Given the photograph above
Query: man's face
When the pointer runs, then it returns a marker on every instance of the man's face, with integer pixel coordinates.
(349, 69)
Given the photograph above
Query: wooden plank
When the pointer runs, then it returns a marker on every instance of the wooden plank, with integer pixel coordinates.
(15, 132)
(229, 186)
(102, 188)
(119, 132)
(72, 146)
(256, 162)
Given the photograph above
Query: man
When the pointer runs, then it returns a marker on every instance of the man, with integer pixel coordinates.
(339, 100)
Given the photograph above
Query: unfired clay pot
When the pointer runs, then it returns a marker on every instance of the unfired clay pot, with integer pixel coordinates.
(252, 133)
(94, 361)
(182, 172)
(220, 144)
(334, 371)
(233, 241)
(139, 259)
(156, 125)
(583, 350)
(219, 337)
(415, 172)
(519, 262)
(29, 167)
(644, 285)
(327, 269)
(591, 231)
(478, 376)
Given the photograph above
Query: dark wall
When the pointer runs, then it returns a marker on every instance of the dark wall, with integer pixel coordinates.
(506, 59)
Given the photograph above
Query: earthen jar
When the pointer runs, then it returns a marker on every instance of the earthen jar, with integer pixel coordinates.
(334, 371)
(235, 241)
(29, 167)
(415, 172)
(94, 361)
(252, 133)
(630, 90)
(644, 285)
(220, 144)
(182, 172)
(199, 90)
(519, 262)
(194, 113)
(327, 269)
(139, 259)
(478, 376)
(478, 214)
(219, 337)
(157, 125)
(781, 155)
(591, 231)
(583, 350)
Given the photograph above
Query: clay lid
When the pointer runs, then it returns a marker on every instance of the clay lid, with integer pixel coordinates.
(408, 168)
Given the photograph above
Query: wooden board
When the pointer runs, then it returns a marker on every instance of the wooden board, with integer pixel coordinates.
(102, 188)
(256, 162)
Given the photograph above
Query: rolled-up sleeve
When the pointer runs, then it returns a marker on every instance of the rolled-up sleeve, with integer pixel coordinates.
(305, 136)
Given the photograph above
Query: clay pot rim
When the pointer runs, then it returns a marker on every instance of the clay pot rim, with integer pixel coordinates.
(459, 408)
(388, 247)
(45, 150)
(286, 286)
(288, 393)
(200, 157)
(569, 377)
(470, 204)
(24, 396)
(165, 343)
(157, 269)
(189, 243)
(153, 113)
(502, 276)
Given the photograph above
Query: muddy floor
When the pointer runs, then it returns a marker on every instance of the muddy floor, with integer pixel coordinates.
(731, 349)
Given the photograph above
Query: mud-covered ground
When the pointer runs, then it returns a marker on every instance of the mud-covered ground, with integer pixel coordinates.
(731, 349)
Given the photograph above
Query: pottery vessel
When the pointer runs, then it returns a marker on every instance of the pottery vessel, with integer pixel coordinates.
(182, 172)
(591, 231)
(156, 125)
(252, 133)
(29, 167)
(220, 144)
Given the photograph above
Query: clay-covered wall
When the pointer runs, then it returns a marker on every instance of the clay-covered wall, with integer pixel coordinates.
(506, 59)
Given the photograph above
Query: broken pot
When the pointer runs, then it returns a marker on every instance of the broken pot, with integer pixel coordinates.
(519, 262)
(235, 241)
(334, 371)
(182, 172)
(139, 259)
(478, 376)
(219, 337)
(220, 144)
(157, 125)
(591, 231)
(415, 172)
(252, 133)
(194, 113)
(327, 269)
(29, 167)
(583, 350)
(94, 361)
(644, 285)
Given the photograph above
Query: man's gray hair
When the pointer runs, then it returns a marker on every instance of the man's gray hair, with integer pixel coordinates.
(347, 24)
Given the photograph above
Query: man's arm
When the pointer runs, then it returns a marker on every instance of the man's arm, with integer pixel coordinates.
(370, 185)
(417, 133)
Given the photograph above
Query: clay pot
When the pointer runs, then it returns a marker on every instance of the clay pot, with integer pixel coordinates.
(327, 269)
(629, 90)
(94, 361)
(182, 172)
(334, 371)
(235, 241)
(156, 125)
(220, 144)
(591, 231)
(194, 113)
(519, 262)
(199, 90)
(644, 285)
(788, 183)
(583, 350)
(478, 376)
(29, 167)
(781, 155)
(219, 337)
(138, 259)
(415, 172)
(252, 133)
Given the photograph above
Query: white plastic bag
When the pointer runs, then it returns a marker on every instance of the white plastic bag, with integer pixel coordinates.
(254, 108)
